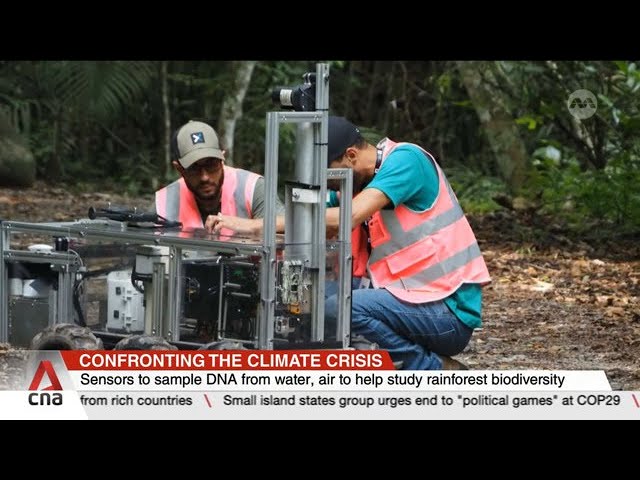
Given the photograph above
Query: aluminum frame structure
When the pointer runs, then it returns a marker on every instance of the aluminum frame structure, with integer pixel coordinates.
(305, 213)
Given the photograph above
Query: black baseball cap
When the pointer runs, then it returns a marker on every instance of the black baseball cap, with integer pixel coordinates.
(342, 135)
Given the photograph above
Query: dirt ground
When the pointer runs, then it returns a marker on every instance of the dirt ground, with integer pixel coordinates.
(558, 303)
(555, 303)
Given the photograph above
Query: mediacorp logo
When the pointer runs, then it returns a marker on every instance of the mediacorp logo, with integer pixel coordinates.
(582, 104)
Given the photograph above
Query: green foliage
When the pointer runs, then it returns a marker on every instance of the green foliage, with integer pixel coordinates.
(538, 94)
(531, 122)
(475, 192)
(585, 171)
(251, 129)
(100, 89)
(65, 108)
(584, 198)
(420, 102)
(104, 122)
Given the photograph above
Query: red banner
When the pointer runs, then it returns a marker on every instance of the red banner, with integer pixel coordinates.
(227, 360)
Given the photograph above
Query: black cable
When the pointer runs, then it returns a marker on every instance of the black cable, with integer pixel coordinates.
(136, 277)
(76, 303)
(132, 216)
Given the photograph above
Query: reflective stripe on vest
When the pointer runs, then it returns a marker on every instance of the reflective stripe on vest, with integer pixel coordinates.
(424, 256)
(359, 252)
(359, 247)
(177, 202)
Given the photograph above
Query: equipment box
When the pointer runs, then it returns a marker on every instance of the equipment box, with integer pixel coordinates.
(125, 304)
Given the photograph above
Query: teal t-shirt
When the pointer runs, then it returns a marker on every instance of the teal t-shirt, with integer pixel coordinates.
(332, 199)
(408, 178)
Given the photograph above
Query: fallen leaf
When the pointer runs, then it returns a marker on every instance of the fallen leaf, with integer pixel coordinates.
(615, 311)
(7, 200)
(604, 299)
(621, 301)
(541, 286)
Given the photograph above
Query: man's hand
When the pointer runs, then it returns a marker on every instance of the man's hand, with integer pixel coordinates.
(245, 226)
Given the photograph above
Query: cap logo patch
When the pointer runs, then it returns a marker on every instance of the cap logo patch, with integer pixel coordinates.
(197, 137)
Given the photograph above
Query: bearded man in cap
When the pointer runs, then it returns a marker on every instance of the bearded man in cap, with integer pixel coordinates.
(210, 192)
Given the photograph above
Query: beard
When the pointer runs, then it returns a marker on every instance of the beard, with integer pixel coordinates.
(215, 194)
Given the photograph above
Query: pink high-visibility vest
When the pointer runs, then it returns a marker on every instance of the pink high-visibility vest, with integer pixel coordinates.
(177, 202)
(359, 251)
(424, 256)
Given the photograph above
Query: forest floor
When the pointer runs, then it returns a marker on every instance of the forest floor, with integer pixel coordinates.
(556, 302)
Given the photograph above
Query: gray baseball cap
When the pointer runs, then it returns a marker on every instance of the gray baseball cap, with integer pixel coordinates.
(195, 141)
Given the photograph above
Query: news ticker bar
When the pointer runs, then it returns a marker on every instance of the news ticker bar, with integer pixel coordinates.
(290, 385)
(276, 405)
(167, 371)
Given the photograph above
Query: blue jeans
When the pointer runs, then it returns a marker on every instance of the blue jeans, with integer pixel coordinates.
(413, 333)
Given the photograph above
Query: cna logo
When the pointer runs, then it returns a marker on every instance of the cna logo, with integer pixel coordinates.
(45, 367)
(45, 398)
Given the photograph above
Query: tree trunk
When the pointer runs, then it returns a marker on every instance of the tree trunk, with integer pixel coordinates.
(54, 164)
(166, 116)
(375, 97)
(231, 109)
(498, 124)
(351, 69)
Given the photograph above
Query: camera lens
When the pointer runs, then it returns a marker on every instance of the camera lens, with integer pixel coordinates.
(283, 96)
(300, 98)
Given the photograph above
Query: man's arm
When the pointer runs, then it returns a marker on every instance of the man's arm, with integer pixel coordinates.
(365, 204)
(248, 226)
(245, 226)
(257, 203)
